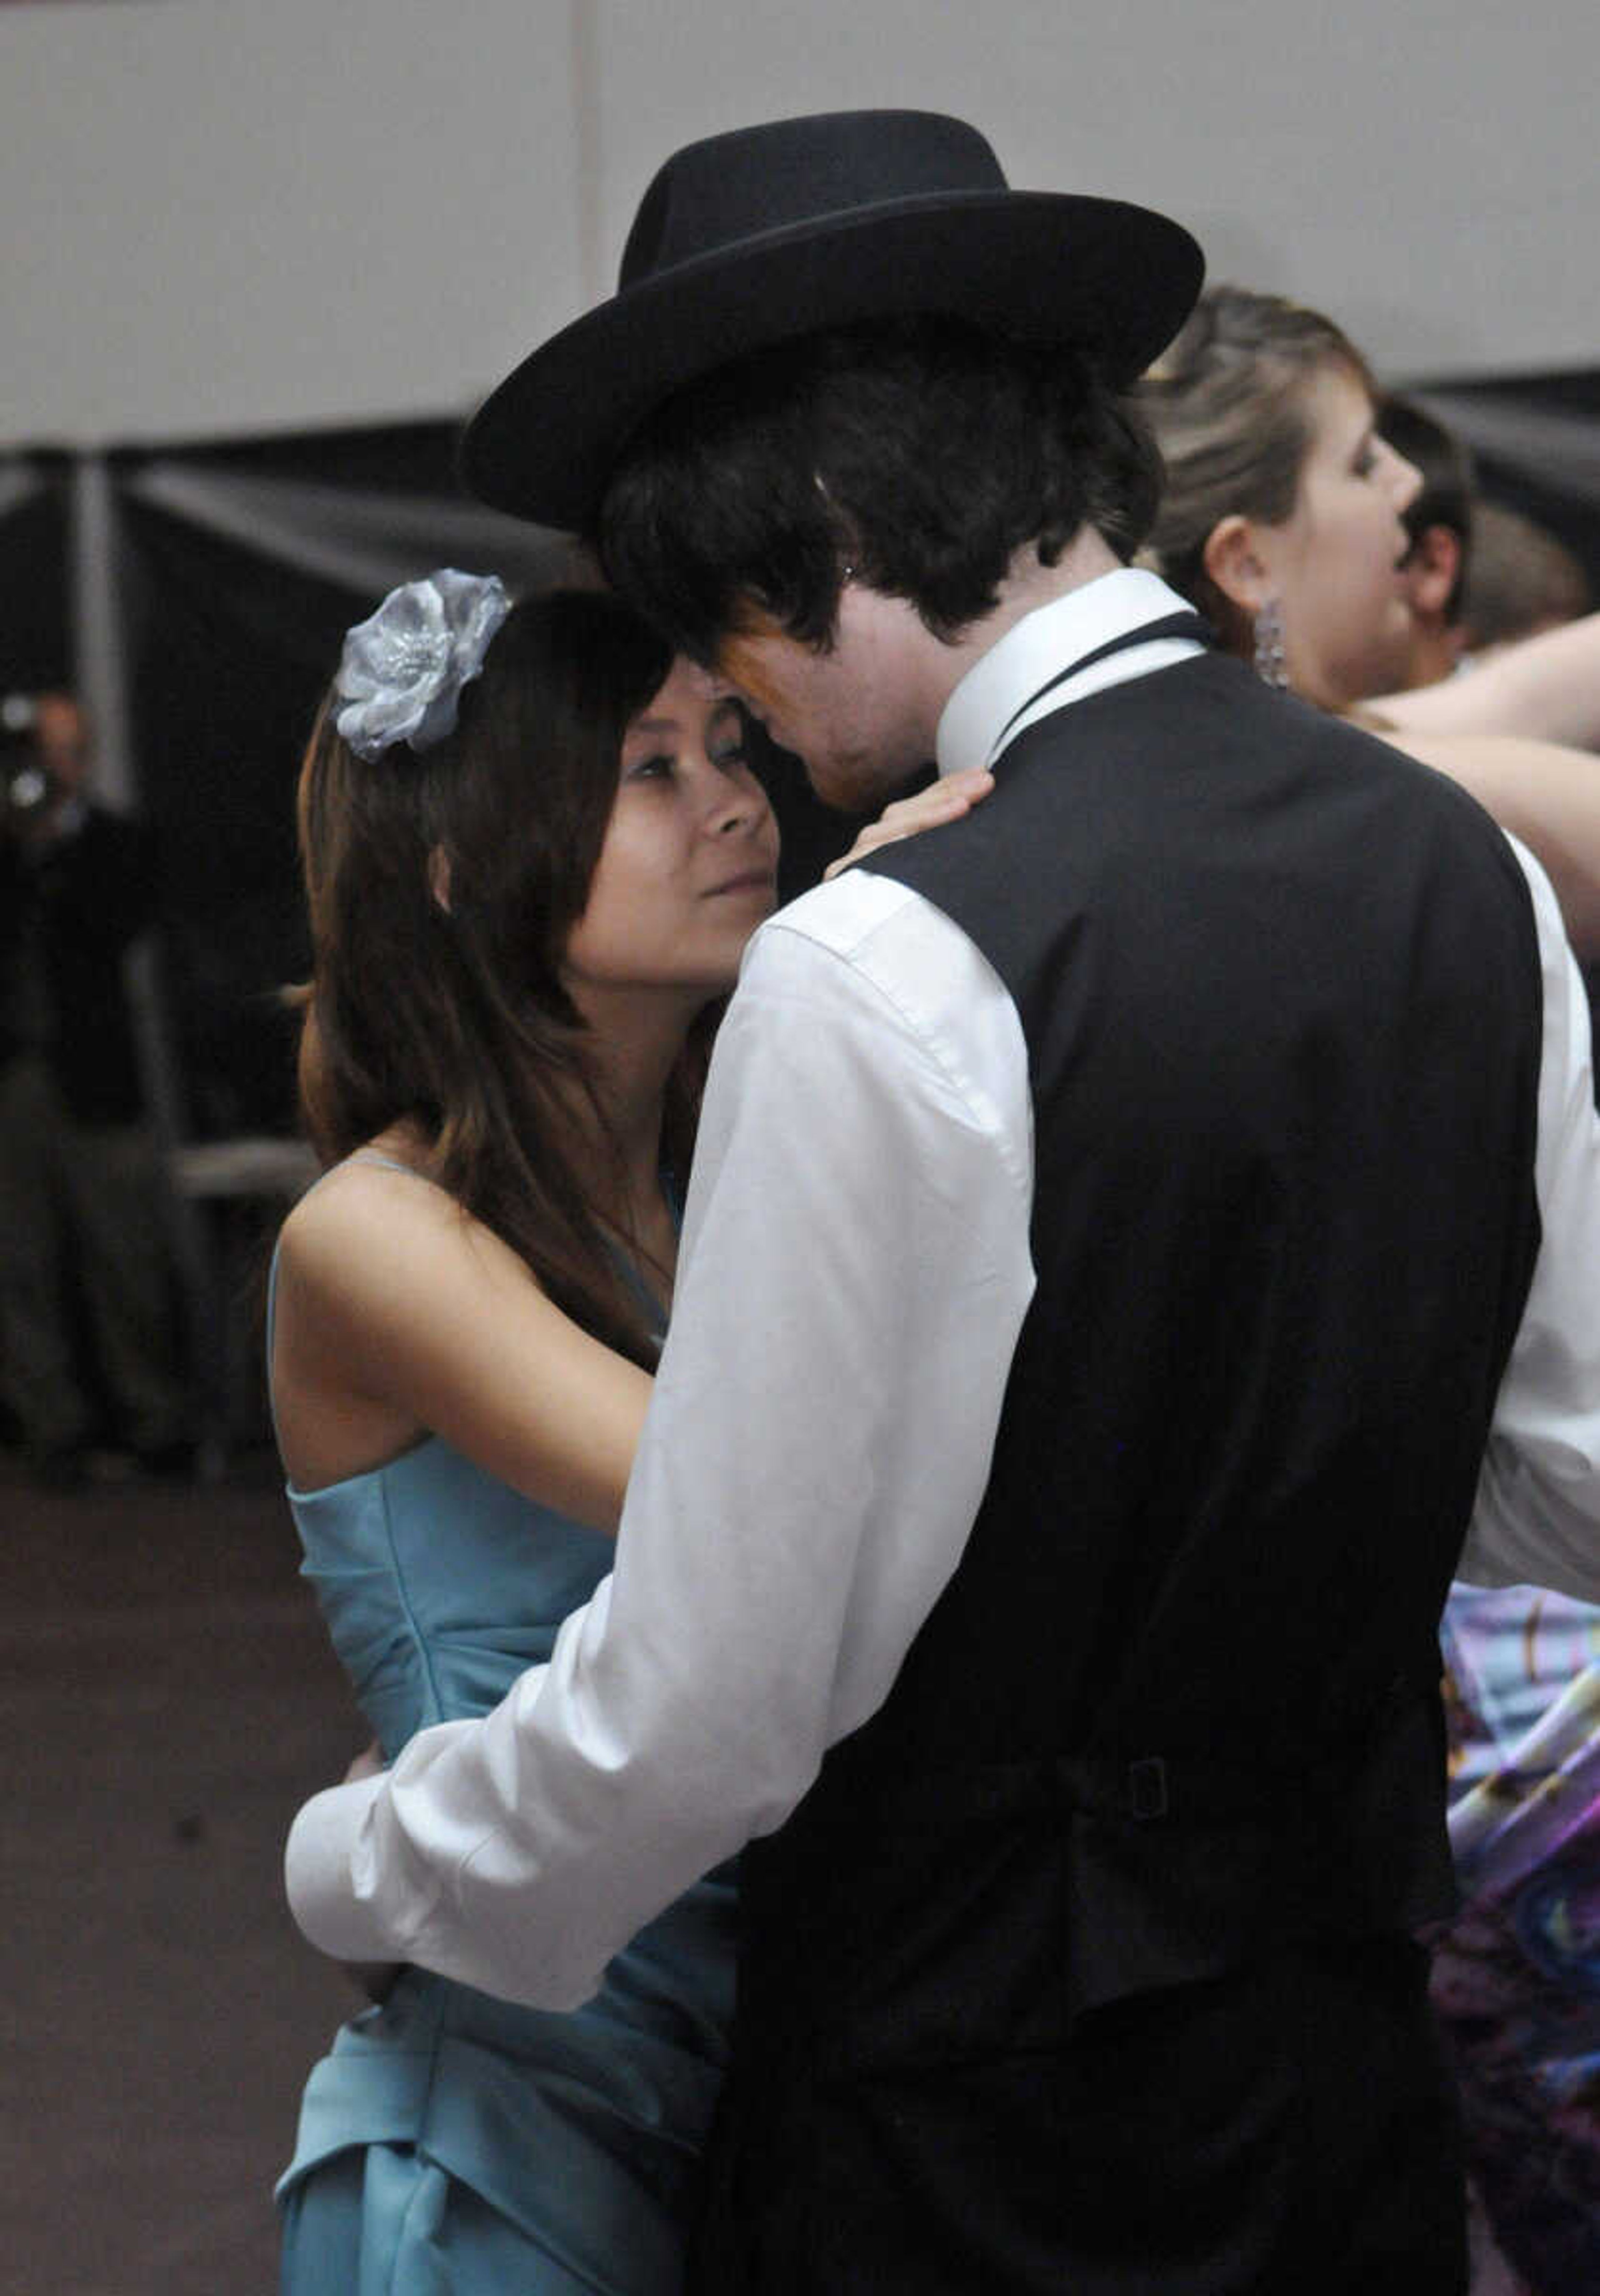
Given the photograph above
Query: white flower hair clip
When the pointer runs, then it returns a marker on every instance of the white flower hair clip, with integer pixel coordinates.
(402, 670)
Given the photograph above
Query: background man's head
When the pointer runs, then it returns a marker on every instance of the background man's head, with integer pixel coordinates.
(1523, 579)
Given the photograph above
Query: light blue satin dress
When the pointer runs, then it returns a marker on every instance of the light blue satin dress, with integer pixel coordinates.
(452, 2145)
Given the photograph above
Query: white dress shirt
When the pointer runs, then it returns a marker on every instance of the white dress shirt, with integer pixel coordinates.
(855, 1271)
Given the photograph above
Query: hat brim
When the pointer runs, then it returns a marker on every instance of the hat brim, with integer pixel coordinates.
(1043, 267)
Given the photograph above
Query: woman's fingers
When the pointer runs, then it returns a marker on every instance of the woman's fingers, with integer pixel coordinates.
(943, 801)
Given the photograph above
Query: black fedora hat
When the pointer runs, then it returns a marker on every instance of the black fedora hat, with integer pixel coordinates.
(751, 238)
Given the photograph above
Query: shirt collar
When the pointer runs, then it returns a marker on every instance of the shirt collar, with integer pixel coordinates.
(1001, 682)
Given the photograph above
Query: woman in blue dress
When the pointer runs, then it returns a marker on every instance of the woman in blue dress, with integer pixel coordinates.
(534, 850)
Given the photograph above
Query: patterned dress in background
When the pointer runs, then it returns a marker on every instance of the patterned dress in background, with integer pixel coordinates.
(1517, 1974)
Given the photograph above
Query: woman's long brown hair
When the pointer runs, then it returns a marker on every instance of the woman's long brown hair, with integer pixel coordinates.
(450, 1012)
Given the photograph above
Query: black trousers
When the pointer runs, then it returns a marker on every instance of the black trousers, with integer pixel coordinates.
(1288, 2130)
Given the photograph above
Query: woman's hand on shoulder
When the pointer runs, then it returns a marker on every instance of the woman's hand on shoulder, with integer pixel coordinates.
(398, 1315)
(945, 799)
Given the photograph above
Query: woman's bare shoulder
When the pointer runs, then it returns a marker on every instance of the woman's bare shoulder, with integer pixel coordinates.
(355, 1195)
(396, 1304)
(380, 1224)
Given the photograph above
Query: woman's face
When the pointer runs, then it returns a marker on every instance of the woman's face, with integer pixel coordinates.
(1333, 563)
(688, 867)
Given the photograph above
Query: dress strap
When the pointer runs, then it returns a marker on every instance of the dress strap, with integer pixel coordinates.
(271, 1325)
(384, 1163)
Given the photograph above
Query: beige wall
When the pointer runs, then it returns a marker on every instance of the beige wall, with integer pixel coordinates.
(222, 215)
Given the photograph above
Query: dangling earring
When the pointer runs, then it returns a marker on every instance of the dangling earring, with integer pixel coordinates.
(1269, 647)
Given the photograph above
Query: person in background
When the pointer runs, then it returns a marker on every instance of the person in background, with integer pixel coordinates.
(1282, 518)
(89, 1331)
(1284, 511)
(1250, 357)
(1439, 520)
(1522, 579)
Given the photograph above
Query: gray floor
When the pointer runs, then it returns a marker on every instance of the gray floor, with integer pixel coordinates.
(166, 1702)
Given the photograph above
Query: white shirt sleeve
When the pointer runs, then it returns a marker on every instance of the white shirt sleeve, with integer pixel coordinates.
(1537, 1517)
(855, 1271)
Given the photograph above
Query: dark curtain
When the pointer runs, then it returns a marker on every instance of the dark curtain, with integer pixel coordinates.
(36, 623)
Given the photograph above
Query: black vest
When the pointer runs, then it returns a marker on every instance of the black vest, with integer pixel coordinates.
(1280, 989)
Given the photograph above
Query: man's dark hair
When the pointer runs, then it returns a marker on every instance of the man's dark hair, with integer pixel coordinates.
(1445, 497)
(921, 453)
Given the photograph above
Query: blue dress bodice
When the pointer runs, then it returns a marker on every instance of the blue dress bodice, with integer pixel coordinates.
(438, 1585)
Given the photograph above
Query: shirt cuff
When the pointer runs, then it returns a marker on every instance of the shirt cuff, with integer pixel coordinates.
(319, 1876)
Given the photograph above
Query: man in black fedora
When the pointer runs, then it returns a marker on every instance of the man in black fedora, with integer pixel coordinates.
(1136, 1230)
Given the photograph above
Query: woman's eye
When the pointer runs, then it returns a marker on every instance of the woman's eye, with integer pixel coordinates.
(1365, 462)
(650, 768)
(731, 759)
